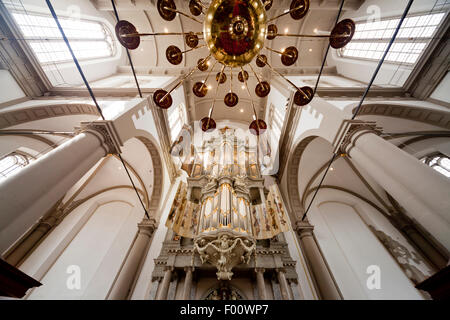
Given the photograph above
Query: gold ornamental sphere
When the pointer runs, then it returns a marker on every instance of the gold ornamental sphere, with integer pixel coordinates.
(234, 30)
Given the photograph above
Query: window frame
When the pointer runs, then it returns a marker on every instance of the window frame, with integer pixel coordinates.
(17, 166)
(430, 157)
(41, 39)
(415, 40)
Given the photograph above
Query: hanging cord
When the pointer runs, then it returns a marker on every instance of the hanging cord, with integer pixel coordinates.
(49, 4)
(128, 53)
(380, 63)
(91, 93)
(328, 49)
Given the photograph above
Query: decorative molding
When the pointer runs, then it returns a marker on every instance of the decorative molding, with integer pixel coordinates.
(163, 135)
(425, 115)
(40, 112)
(346, 132)
(105, 130)
(287, 134)
(156, 196)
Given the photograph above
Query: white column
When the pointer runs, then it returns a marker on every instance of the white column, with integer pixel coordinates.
(187, 283)
(261, 284)
(423, 192)
(128, 273)
(29, 194)
(284, 287)
(319, 268)
(164, 289)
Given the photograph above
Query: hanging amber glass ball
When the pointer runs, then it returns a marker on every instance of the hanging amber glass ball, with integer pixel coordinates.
(123, 30)
(268, 4)
(257, 127)
(221, 77)
(231, 99)
(234, 30)
(174, 55)
(166, 9)
(191, 39)
(200, 89)
(289, 56)
(342, 33)
(202, 64)
(301, 9)
(207, 124)
(195, 8)
(272, 31)
(262, 89)
(261, 60)
(303, 96)
(162, 99)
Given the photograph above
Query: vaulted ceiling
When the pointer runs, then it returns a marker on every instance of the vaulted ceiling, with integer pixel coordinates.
(150, 56)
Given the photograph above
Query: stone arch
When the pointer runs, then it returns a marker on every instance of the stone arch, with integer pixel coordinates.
(292, 176)
(157, 188)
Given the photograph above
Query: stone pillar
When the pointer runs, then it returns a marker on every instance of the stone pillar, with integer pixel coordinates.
(28, 195)
(261, 283)
(422, 191)
(16, 256)
(129, 271)
(284, 287)
(188, 283)
(319, 269)
(164, 289)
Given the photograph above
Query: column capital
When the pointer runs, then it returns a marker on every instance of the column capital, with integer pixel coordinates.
(304, 228)
(355, 131)
(349, 131)
(169, 268)
(147, 226)
(105, 131)
(280, 270)
(189, 268)
(260, 270)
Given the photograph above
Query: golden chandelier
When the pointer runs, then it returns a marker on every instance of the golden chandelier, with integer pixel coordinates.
(234, 31)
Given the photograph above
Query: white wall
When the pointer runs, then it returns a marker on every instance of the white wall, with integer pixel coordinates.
(442, 91)
(96, 237)
(350, 248)
(9, 90)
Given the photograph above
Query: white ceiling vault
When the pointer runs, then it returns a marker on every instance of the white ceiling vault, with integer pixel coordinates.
(149, 57)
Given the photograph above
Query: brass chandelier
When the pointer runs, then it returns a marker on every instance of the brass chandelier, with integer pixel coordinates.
(234, 31)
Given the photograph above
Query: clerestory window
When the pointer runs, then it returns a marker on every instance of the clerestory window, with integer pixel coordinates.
(12, 163)
(89, 39)
(438, 162)
(371, 38)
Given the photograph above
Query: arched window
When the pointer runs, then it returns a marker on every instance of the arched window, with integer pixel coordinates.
(89, 39)
(371, 38)
(439, 162)
(12, 163)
